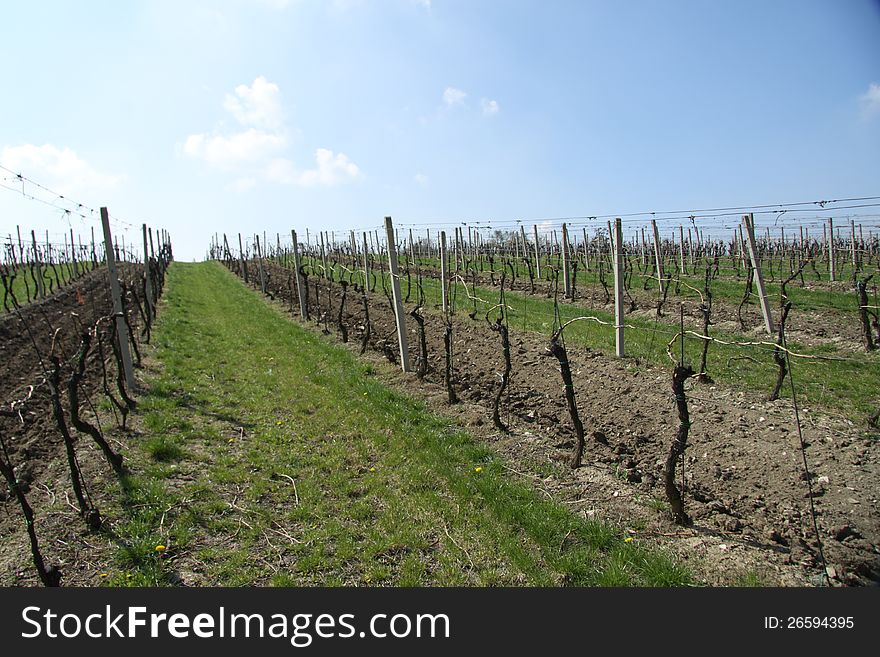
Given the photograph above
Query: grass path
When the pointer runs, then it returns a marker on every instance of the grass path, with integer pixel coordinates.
(271, 456)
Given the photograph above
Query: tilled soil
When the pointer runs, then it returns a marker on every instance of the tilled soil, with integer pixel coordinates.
(27, 339)
(32, 438)
(745, 482)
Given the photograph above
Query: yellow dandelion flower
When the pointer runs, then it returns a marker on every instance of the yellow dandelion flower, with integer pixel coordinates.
(105, 575)
(160, 548)
(372, 469)
(628, 539)
(478, 469)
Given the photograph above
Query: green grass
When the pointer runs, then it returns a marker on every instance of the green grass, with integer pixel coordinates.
(273, 457)
(818, 294)
(750, 579)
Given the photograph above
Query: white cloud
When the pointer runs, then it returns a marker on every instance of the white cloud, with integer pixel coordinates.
(227, 152)
(421, 179)
(257, 151)
(257, 106)
(489, 107)
(453, 97)
(60, 169)
(870, 101)
(330, 170)
(243, 185)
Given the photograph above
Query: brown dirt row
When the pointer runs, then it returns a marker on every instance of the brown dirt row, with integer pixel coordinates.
(33, 440)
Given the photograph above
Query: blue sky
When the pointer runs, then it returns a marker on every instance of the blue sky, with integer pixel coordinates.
(266, 115)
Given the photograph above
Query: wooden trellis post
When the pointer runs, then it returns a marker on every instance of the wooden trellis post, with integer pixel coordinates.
(644, 254)
(398, 302)
(748, 222)
(260, 264)
(366, 266)
(566, 263)
(94, 251)
(824, 243)
(121, 330)
(240, 255)
(300, 286)
(151, 311)
(73, 252)
(41, 291)
(443, 282)
(691, 250)
(852, 242)
(618, 287)
(681, 247)
(657, 259)
(537, 253)
(831, 267)
(325, 274)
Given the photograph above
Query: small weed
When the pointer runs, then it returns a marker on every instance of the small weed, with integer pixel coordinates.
(749, 579)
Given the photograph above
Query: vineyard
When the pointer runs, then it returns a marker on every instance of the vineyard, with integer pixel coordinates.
(761, 437)
(640, 408)
(64, 311)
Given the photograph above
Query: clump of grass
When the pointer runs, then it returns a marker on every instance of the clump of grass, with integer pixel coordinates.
(749, 579)
(163, 449)
(137, 561)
